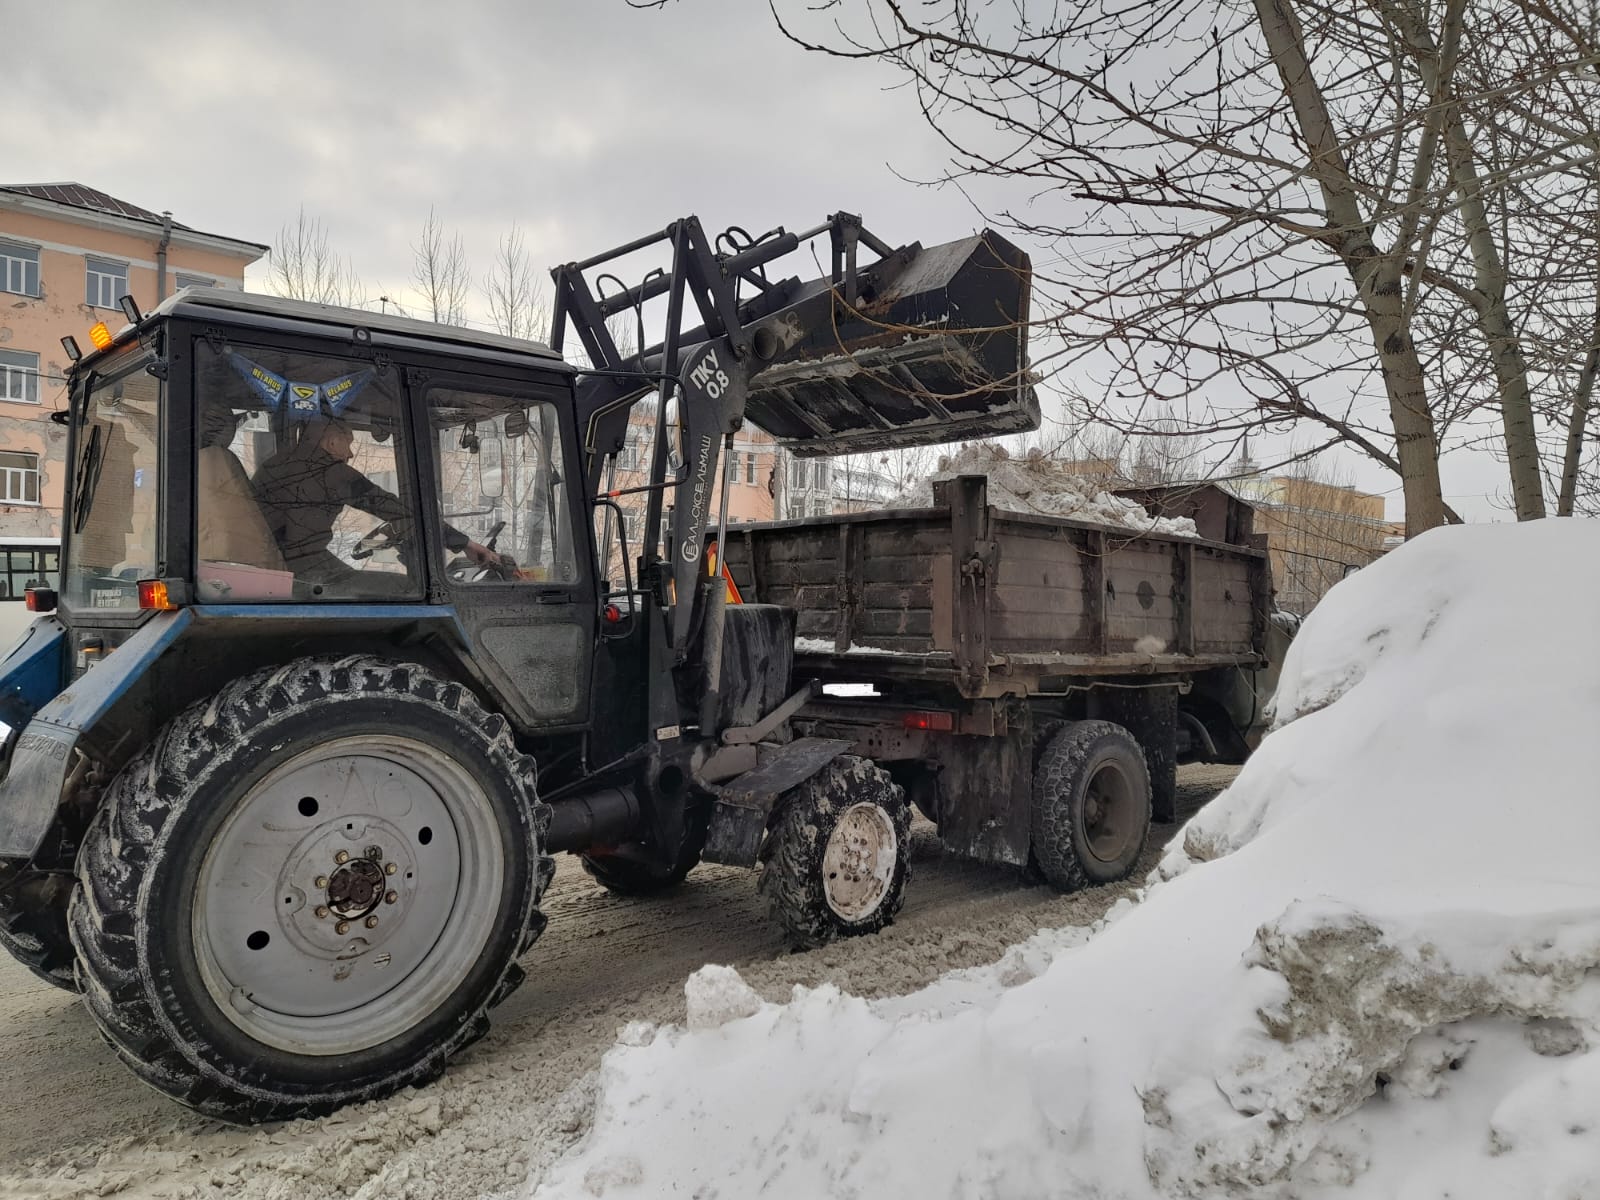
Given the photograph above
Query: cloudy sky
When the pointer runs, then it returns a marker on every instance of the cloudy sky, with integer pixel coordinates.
(585, 123)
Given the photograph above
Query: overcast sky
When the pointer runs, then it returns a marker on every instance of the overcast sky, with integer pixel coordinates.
(586, 123)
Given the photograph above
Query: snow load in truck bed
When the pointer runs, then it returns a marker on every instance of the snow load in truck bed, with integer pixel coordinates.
(1365, 970)
(1032, 483)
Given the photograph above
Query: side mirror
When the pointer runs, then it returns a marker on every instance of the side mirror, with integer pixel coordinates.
(516, 423)
(491, 475)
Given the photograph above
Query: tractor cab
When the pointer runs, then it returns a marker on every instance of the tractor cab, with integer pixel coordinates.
(300, 466)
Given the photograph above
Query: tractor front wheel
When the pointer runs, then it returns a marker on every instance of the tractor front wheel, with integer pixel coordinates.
(310, 889)
(834, 863)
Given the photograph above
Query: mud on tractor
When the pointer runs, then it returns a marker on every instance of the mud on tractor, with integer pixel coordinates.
(345, 648)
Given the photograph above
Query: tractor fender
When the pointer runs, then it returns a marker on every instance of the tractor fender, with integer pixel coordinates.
(744, 806)
(43, 753)
(31, 675)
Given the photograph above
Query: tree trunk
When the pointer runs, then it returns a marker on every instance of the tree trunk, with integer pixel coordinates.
(1494, 318)
(1377, 276)
(1578, 421)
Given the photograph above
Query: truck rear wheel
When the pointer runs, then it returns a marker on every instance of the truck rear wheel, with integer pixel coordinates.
(1091, 805)
(834, 864)
(310, 889)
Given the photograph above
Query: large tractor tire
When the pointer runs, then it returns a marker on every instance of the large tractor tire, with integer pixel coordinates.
(33, 927)
(1091, 805)
(638, 871)
(834, 864)
(310, 889)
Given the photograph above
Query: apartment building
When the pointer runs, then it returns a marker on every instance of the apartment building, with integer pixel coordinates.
(68, 253)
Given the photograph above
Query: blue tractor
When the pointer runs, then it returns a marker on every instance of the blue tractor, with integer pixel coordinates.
(363, 618)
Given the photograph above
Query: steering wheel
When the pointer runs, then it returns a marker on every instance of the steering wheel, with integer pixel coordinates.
(379, 537)
(462, 569)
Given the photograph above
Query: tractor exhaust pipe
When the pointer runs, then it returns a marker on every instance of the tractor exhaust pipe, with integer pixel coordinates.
(594, 819)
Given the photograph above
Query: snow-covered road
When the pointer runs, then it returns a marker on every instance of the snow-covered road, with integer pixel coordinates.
(75, 1123)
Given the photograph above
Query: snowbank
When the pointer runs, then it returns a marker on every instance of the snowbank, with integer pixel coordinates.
(1365, 969)
(1032, 483)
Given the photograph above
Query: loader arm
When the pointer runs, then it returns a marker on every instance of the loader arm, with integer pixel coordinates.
(916, 347)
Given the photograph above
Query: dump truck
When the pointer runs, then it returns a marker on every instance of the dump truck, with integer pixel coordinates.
(1030, 681)
(351, 637)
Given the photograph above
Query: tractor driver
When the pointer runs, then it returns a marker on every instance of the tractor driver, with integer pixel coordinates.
(305, 487)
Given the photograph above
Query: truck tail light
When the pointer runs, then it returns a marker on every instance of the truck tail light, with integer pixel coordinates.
(153, 594)
(40, 600)
(938, 722)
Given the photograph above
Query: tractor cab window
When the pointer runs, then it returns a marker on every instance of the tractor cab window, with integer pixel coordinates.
(298, 493)
(502, 488)
(112, 521)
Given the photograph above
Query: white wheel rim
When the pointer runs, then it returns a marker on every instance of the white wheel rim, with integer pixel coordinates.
(348, 895)
(858, 862)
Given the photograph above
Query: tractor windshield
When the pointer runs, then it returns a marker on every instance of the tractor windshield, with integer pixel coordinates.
(111, 525)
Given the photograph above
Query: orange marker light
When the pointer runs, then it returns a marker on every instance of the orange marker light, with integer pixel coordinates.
(153, 594)
(100, 335)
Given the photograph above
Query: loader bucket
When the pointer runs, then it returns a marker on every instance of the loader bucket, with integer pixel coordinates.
(934, 349)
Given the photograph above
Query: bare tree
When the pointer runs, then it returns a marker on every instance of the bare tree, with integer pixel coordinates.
(305, 267)
(1262, 214)
(515, 298)
(439, 270)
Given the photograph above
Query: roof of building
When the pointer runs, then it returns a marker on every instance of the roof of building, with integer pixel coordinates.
(77, 195)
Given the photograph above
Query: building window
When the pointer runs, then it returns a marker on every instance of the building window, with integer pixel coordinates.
(19, 377)
(750, 467)
(797, 473)
(628, 456)
(182, 281)
(19, 477)
(19, 269)
(108, 282)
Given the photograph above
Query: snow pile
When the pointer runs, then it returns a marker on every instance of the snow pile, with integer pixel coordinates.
(1033, 483)
(1368, 968)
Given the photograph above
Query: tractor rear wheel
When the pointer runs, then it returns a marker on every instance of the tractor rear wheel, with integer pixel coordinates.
(310, 889)
(1091, 805)
(834, 864)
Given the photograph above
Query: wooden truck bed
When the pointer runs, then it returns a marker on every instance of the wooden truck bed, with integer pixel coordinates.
(993, 602)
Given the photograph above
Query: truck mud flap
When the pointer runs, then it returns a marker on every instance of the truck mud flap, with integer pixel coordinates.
(744, 805)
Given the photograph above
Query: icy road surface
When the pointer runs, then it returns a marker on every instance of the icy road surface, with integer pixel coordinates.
(76, 1123)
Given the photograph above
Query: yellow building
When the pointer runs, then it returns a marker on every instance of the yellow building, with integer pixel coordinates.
(1316, 534)
(68, 253)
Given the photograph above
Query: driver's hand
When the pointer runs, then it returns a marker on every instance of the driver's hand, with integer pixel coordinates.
(482, 555)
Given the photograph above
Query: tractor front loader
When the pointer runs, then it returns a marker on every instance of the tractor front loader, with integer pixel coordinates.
(359, 623)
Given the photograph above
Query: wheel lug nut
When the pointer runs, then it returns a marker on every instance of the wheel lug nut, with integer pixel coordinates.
(374, 851)
(342, 857)
(372, 922)
(389, 868)
(322, 911)
(322, 881)
(391, 897)
(342, 927)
